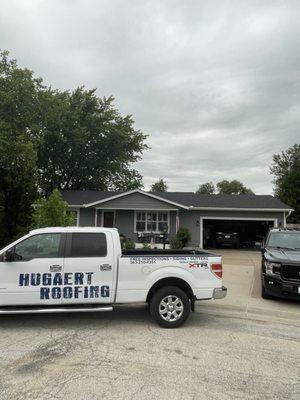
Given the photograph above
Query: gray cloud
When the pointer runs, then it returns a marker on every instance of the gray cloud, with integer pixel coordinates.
(215, 84)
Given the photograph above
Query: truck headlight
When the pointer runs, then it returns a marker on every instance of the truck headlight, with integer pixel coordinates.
(272, 268)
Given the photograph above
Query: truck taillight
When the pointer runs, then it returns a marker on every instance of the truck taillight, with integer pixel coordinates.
(217, 269)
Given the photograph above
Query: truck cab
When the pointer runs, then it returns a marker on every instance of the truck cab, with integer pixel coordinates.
(280, 269)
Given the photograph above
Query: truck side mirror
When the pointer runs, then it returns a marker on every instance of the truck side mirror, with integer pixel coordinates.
(8, 256)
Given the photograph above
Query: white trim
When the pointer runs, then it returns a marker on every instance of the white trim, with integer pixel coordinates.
(145, 211)
(275, 220)
(240, 209)
(135, 191)
(96, 216)
(138, 209)
(285, 217)
(102, 217)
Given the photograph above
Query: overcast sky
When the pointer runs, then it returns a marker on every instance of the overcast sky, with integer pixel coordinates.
(215, 84)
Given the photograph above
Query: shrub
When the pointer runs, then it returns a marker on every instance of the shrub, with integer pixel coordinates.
(129, 244)
(175, 243)
(181, 239)
(184, 236)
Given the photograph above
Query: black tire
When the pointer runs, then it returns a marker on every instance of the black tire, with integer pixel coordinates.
(264, 293)
(157, 309)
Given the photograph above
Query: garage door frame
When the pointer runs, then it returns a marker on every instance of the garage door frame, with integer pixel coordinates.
(274, 220)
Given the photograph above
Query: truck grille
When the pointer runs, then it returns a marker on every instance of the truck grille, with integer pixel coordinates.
(291, 272)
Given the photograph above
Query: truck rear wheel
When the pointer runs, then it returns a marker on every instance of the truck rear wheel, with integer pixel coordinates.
(170, 307)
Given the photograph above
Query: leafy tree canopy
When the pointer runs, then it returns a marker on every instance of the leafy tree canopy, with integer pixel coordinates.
(51, 139)
(20, 132)
(159, 186)
(224, 187)
(88, 144)
(232, 187)
(286, 170)
(206, 188)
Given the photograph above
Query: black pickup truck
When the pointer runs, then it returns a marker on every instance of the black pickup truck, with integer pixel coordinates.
(280, 275)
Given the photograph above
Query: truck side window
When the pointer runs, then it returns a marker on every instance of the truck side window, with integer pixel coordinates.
(38, 246)
(88, 245)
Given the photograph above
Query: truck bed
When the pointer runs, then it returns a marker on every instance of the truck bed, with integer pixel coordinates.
(166, 252)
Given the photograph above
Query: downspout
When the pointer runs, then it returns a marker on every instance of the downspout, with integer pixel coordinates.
(286, 216)
(177, 221)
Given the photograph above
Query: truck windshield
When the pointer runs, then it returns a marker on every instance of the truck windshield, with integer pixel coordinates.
(286, 240)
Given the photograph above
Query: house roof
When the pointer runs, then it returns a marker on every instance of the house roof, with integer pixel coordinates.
(225, 200)
(186, 199)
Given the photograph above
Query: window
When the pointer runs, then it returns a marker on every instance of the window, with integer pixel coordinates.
(88, 245)
(152, 221)
(38, 246)
(290, 240)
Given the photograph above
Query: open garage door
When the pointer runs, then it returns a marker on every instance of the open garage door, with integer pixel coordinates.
(234, 233)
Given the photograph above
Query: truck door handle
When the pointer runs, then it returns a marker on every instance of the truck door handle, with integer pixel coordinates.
(55, 268)
(105, 267)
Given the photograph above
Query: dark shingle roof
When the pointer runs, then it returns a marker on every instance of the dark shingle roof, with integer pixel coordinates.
(78, 197)
(224, 200)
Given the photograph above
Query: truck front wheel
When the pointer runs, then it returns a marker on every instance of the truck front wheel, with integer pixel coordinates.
(170, 307)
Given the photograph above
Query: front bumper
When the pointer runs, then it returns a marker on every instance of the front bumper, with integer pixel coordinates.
(220, 293)
(228, 242)
(278, 287)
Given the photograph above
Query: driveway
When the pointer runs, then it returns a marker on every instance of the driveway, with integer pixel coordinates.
(242, 278)
(241, 347)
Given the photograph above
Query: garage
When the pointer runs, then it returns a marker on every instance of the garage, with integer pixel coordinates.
(234, 233)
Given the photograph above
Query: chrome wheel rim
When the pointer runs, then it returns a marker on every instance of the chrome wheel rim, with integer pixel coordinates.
(171, 308)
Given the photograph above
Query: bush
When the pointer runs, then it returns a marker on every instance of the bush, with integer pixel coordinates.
(181, 239)
(184, 236)
(175, 243)
(129, 244)
(146, 246)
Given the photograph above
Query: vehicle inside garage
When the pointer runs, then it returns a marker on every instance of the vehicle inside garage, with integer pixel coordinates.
(218, 233)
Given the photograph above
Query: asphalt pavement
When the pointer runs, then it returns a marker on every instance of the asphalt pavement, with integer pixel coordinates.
(241, 347)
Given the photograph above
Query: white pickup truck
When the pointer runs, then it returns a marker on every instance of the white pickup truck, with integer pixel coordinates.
(84, 269)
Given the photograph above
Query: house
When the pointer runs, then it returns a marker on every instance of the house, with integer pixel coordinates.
(141, 215)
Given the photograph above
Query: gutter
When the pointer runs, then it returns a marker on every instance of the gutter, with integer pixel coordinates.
(242, 209)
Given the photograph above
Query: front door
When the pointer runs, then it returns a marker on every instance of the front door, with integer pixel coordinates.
(89, 269)
(27, 278)
(108, 219)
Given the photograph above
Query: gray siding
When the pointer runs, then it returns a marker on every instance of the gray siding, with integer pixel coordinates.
(137, 201)
(124, 219)
(172, 223)
(87, 217)
(125, 223)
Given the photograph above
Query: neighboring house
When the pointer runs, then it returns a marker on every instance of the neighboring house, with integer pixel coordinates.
(139, 215)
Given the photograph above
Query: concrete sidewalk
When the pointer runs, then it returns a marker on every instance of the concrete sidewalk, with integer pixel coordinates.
(242, 278)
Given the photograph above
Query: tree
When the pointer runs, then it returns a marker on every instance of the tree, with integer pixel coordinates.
(206, 188)
(51, 139)
(87, 144)
(52, 212)
(232, 187)
(20, 131)
(286, 169)
(159, 186)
